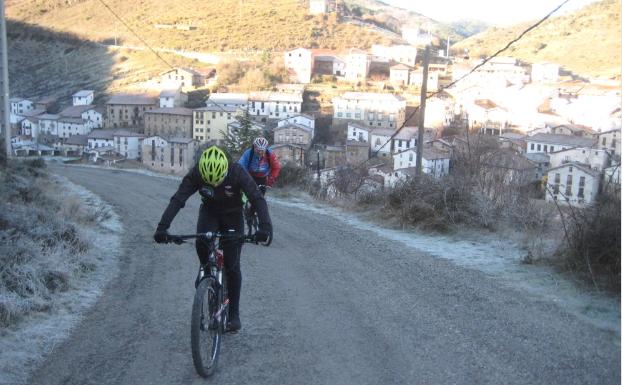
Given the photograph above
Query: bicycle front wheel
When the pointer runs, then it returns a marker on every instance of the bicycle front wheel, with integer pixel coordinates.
(205, 327)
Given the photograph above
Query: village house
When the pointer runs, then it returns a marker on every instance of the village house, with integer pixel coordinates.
(290, 153)
(128, 144)
(68, 127)
(227, 99)
(356, 152)
(18, 106)
(294, 134)
(48, 104)
(75, 145)
(506, 68)
(372, 109)
(357, 65)
(573, 183)
(210, 123)
(328, 62)
(300, 63)
(610, 141)
(408, 137)
(414, 35)
(544, 72)
(169, 122)
(334, 156)
(100, 139)
(434, 162)
(593, 158)
(170, 155)
(416, 79)
(380, 142)
(302, 120)
(399, 75)
(358, 132)
(265, 105)
(83, 97)
(91, 116)
(30, 125)
(553, 142)
(127, 111)
(184, 78)
(563, 129)
(487, 116)
(402, 54)
(173, 97)
(541, 161)
(505, 169)
(48, 124)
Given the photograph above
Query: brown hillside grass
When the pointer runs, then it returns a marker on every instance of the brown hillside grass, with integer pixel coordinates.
(586, 42)
(220, 26)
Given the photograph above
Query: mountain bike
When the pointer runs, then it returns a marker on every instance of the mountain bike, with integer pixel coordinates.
(252, 220)
(211, 303)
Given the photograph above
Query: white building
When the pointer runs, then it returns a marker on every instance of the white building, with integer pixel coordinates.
(610, 141)
(380, 141)
(434, 162)
(358, 132)
(210, 123)
(357, 65)
(593, 158)
(318, 7)
(372, 109)
(399, 75)
(408, 137)
(128, 144)
(48, 124)
(173, 97)
(274, 105)
(83, 98)
(227, 99)
(403, 54)
(100, 139)
(235, 125)
(91, 115)
(18, 106)
(416, 36)
(544, 72)
(553, 142)
(300, 62)
(416, 79)
(68, 127)
(302, 120)
(573, 183)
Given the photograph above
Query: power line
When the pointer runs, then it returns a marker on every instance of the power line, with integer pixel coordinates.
(520, 36)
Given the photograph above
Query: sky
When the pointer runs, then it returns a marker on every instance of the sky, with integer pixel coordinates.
(494, 12)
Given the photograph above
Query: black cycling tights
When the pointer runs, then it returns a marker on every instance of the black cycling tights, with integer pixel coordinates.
(223, 222)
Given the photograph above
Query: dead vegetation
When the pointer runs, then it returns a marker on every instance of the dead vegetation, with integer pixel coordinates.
(42, 244)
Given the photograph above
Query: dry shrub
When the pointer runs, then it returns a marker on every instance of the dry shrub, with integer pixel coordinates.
(592, 246)
(292, 175)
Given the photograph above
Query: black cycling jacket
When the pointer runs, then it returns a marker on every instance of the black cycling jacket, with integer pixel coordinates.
(227, 196)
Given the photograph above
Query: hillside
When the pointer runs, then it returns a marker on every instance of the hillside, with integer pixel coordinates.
(231, 25)
(586, 42)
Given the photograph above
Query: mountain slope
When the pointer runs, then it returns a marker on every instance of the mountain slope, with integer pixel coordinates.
(585, 42)
(225, 25)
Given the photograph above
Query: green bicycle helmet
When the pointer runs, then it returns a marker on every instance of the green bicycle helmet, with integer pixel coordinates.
(213, 166)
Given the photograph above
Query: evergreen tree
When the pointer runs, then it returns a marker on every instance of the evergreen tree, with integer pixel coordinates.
(239, 139)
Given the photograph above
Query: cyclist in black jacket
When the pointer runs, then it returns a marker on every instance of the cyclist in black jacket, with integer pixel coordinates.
(220, 184)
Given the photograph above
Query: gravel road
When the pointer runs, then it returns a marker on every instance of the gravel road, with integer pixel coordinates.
(325, 304)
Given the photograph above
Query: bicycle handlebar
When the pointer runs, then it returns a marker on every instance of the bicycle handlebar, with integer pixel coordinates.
(210, 235)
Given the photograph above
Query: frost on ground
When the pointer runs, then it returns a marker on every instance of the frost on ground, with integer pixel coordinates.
(25, 346)
(500, 258)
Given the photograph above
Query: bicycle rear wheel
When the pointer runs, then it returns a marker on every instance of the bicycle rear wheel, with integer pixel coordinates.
(205, 327)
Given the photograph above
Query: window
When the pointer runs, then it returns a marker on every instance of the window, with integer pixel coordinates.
(569, 185)
(539, 148)
(581, 187)
(545, 148)
(532, 146)
(152, 150)
(604, 142)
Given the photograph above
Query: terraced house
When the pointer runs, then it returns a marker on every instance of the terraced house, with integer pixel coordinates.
(128, 111)
(169, 122)
(171, 155)
(369, 109)
(210, 123)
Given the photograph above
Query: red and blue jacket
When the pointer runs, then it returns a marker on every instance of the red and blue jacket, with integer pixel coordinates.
(267, 166)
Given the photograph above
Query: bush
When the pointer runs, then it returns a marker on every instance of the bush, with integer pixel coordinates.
(592, 246)
(292, 175)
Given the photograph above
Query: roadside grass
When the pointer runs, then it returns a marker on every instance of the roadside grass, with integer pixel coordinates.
(43, 245)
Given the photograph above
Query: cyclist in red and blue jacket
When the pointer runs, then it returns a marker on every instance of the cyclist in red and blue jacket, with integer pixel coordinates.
(261, 162)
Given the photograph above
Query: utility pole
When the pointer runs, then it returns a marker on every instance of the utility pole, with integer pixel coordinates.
(424, 94)
(318, 165)
(4, 63)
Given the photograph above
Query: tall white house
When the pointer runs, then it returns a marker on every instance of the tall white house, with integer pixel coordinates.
(274, 105)
(300, 63)
(357, 65)
(370, 109)
(83, 98)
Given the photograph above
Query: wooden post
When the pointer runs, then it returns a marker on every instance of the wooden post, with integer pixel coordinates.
(424, 92)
